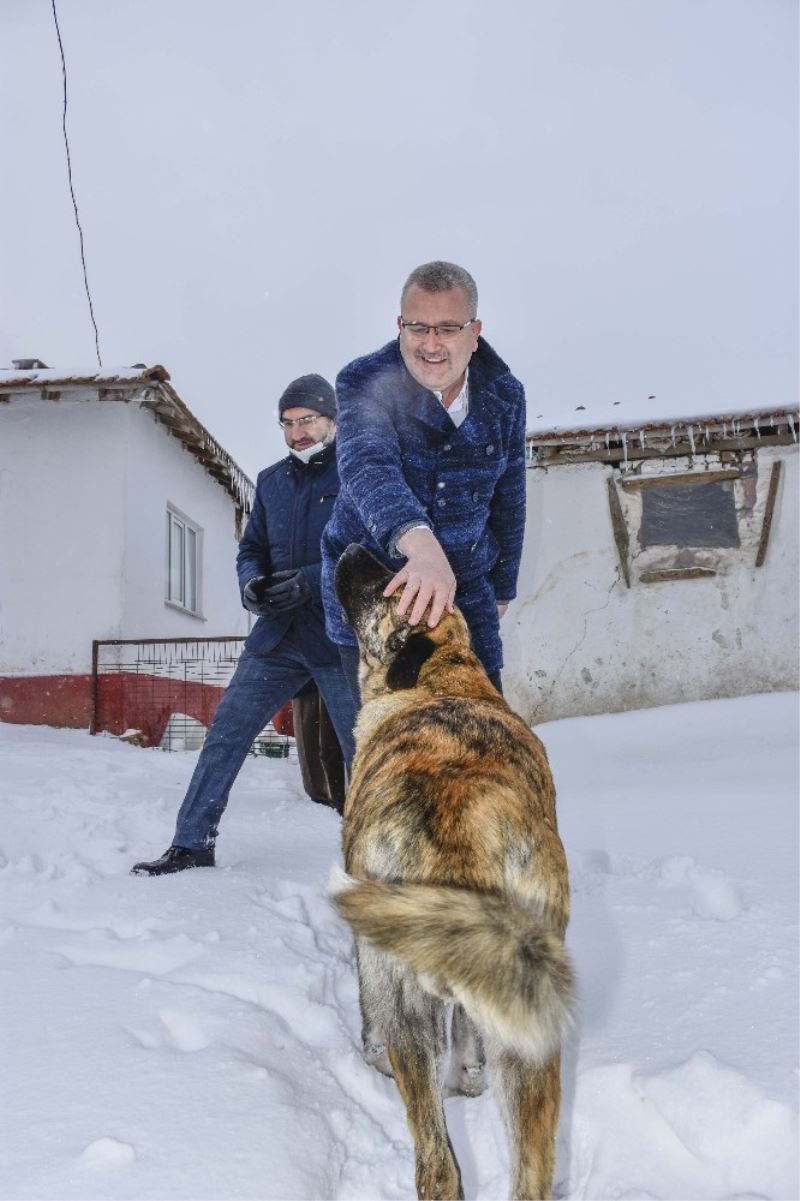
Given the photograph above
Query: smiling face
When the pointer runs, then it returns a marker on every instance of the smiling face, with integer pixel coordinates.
(435, 362)
(300, 437)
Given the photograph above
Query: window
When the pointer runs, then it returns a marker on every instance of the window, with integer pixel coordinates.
(689, 514)
(184, 545)
(670, 523)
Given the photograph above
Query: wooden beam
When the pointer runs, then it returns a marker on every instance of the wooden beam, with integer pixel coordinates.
(566, 453)
(769, 509)
(677, 573)
(687, 479)
(620, 529)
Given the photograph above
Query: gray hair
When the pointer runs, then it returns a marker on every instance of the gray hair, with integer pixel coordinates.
(441, 277)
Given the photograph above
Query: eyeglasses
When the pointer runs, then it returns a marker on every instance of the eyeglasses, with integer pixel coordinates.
(448, 330)
(286, 424)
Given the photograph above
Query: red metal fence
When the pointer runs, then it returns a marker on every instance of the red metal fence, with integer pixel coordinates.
(166, 689)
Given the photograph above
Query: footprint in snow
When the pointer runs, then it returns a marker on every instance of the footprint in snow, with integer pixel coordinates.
(712, 896)
(148, 955)
(178, 1029)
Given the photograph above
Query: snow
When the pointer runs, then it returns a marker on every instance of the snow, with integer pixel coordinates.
(632, 413)
(51, 375)
(196, 1035)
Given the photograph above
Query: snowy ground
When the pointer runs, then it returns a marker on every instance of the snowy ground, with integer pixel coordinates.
(196, 1036)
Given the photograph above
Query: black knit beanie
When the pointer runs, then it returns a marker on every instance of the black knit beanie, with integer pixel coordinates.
(309, 392)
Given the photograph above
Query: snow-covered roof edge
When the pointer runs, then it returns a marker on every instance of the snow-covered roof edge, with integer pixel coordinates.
(586, 427)
(150, 385)
(620, 443)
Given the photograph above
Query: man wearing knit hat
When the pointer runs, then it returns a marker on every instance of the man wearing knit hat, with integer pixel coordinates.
(279, 580)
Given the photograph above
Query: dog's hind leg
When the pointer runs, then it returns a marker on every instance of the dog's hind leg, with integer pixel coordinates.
(376, 987)
(466, 1075)
(415, 1064)
(530, 1098)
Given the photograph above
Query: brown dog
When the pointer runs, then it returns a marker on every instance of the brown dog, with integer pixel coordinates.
(457, 887)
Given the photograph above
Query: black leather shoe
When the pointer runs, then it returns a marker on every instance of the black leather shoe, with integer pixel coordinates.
(174, 859)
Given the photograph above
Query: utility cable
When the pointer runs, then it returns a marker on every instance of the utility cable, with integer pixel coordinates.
(72, 189)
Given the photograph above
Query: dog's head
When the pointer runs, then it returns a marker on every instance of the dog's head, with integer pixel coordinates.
(393, 653)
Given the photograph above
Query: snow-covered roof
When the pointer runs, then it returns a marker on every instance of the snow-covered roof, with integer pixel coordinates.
(19, 378)
(150, 386)
(648, 414)
(617, 433)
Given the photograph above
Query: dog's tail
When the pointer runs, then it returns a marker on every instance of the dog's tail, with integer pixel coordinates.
(502, 960)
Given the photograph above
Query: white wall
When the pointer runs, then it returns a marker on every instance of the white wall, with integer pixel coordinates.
(61, 520)
(159, 470)
(84, 486)
(578, 641)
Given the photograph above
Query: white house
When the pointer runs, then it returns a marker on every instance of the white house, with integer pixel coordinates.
(660, 562)
(119, 519)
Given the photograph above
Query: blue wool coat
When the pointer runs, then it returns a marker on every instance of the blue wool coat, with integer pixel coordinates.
(293, 502)
(402, 462)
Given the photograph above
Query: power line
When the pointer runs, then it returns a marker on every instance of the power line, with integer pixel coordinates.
(72, 189)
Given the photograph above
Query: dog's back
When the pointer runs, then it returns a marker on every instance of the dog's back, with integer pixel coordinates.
(451, 827)
(457, 890)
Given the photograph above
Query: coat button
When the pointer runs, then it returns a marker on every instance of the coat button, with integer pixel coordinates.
(475, 497)
(447, 446)
(440, 484)
(490, 448)
(441, 502)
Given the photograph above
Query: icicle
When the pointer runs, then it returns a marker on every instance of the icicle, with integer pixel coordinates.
(791, 425)
(706, 435)
(624, 437)
(641, 439)
(672, 434)
(690, 436)
(755, 427)
(608, 440)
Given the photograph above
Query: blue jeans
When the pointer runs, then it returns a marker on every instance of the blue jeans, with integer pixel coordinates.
(260, 685)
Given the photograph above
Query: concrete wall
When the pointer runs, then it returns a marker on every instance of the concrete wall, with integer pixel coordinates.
(578, 641)
(84, 487)
(160, 470)
(61, 531)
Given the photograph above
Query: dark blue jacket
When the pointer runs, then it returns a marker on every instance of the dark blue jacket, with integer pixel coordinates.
(402, 462)
(292, 504)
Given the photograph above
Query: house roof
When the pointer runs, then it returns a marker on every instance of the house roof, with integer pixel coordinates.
(151, 387)
(647, 413)
(613, 434)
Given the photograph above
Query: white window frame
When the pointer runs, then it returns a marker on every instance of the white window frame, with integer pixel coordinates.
(184, 563)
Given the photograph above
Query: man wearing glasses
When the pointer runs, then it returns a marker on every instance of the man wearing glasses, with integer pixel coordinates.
(279, 572)
(432, 463)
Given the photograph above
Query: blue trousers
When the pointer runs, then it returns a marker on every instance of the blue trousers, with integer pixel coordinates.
(260, 685)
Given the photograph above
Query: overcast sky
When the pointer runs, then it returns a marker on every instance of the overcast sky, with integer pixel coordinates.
(256, 179)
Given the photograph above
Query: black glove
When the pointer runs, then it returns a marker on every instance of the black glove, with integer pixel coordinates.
(289, 590)
(253, 596)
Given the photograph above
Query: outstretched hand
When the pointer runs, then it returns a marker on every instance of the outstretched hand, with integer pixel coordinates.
(427, 579)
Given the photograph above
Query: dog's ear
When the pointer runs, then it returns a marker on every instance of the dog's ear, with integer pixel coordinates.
(404, 669)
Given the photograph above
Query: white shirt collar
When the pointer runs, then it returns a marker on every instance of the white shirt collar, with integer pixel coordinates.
(457, 411)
